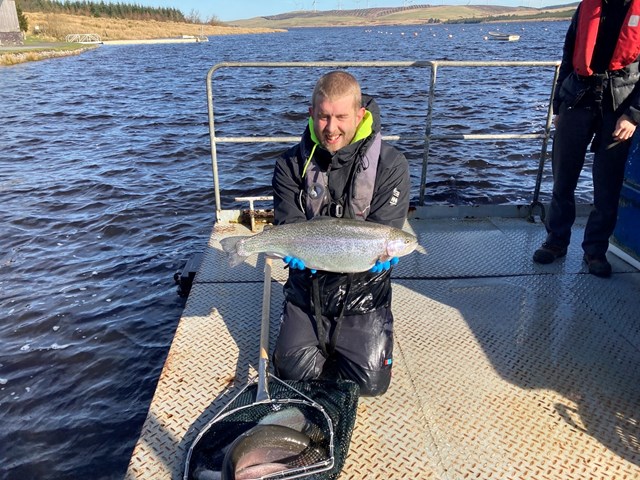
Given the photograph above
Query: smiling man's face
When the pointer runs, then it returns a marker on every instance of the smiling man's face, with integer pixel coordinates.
(335, 121)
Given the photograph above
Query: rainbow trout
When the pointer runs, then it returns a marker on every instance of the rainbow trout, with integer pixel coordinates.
(329, 244)
(263, 450)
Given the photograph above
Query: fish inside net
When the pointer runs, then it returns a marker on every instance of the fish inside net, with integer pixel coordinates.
(329, 427)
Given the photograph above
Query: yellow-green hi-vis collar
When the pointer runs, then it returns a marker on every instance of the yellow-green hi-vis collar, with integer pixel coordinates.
(365, 128)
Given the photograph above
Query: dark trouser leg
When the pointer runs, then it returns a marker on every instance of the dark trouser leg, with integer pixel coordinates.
(573, 134)
(608, 175)
(364, 350)
(296, 355)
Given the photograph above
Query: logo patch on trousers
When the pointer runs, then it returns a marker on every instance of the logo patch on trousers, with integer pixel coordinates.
(394, 197)
(634, 20)
(388, 361)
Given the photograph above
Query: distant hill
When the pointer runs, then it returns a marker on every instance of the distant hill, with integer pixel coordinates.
(417, 14)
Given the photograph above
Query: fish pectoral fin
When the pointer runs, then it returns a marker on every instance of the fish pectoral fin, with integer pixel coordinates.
(421, 249)
(384, 258)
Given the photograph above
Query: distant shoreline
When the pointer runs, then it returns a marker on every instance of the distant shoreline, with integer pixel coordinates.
(153, 40)
(56, 26)
(53, 28)
(17, 56)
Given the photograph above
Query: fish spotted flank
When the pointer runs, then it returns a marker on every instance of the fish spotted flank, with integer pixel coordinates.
(329, 244)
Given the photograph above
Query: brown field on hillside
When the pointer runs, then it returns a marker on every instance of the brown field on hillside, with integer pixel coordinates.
(414, 16)
(451, 12)
(57, 26)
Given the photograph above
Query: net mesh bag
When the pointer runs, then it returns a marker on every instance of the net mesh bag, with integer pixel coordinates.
(329, 410)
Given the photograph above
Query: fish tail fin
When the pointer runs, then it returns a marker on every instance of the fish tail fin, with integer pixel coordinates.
(230, 246)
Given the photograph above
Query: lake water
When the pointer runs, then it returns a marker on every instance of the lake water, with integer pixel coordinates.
(106, 188)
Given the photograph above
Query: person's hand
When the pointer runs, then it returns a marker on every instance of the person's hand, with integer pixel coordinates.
(296, 263)
(386, 265)
(624, 128)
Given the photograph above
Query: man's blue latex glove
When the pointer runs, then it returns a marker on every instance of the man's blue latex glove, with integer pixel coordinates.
(380, 266)
(293, 262)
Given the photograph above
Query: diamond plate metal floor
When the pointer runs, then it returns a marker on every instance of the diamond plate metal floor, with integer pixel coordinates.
(503, 368)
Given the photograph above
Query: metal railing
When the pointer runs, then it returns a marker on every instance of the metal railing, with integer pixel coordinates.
(83, 38)
(428, 136)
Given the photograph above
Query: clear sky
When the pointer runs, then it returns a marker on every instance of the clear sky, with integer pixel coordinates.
(227, 10)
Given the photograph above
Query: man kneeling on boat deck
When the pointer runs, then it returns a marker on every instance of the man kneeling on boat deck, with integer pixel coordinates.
(334, 323)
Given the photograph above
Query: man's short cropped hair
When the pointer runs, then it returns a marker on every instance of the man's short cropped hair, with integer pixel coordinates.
(337, 84)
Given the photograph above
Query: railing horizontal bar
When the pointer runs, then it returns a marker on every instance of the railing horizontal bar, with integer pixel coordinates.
(249, 199)
(471, 63)
(392, 138)
(419, 63)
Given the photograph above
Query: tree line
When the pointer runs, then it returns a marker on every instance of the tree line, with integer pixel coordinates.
(127, 11)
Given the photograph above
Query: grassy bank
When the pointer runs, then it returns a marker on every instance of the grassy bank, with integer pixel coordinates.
(34, 50)
(57, 26)
(52, 28)
(14, 58)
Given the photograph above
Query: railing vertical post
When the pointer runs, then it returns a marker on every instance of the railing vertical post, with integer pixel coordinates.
(427, 132)
(543, 152)
(212, 137)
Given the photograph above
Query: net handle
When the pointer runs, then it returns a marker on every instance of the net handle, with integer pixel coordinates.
(263, 363)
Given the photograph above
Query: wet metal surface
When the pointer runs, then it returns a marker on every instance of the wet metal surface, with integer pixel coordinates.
(502, 368)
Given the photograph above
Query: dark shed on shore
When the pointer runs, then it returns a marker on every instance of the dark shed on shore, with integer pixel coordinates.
(10, 33)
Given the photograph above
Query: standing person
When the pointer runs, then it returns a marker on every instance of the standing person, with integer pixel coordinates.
(597, 98)
(335, 323)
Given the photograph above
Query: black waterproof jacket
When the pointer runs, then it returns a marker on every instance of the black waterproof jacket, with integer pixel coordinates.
(621, 85)
(342, 294)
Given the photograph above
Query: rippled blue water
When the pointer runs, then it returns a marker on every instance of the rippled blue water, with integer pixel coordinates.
(106, 189)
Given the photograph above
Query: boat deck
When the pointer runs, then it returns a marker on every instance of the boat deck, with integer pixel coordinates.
(503, 368)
